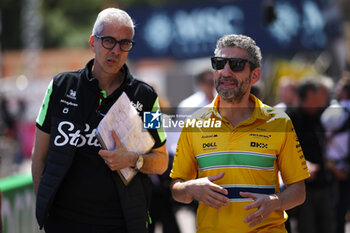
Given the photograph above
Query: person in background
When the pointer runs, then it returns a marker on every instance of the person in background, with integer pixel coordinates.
(336, 122)
(76, 184)
(202, 97)
(162, 205)
(316, 214)
(232, 168)
(287, 93)
(287, 96)
(7, 120)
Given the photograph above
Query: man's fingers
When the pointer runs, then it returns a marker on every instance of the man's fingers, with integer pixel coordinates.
(220, 199)
(216, 177)
(248, 195)
(107, 156)
(256, 215)
(117, 141)
(104, 154)
(216, 200)
(212, 195)
(212, 202)
(255, 204)
(255, 218)
(256, 221)
(218, 189)
(251, 206)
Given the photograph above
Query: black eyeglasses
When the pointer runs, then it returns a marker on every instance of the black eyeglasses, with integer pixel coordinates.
(236, 64)
(109, 42)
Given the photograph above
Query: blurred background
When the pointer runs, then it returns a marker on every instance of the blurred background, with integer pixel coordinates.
(174, 42)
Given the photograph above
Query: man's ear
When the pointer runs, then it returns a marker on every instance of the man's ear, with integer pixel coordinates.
(255, 75)
(92, 43)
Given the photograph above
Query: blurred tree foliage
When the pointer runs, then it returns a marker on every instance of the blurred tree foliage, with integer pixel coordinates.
(66, 23)
(10, 24)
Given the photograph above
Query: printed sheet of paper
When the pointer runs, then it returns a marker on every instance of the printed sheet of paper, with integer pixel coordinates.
(123, 118)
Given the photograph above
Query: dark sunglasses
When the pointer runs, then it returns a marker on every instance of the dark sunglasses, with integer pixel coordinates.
(236, 64)
(109, 42)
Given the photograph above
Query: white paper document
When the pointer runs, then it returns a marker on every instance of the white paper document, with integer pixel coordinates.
(123, 118)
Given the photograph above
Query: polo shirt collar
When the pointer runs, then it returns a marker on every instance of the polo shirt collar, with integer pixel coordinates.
(261, 111)
(94, 83)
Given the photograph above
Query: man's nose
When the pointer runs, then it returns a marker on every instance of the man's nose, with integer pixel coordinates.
(117, 49)
(227, 70)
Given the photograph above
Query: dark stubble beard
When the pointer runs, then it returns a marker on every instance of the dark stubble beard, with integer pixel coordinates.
(233, 95)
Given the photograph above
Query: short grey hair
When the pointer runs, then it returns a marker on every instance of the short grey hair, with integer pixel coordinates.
(243, 42)
(112, 15)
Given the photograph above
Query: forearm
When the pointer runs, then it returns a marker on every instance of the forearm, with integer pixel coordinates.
(201, 189)
(264, 204)
(292, 196)
(179, 192)
(155, 162)
(39, 156)
(37, 171)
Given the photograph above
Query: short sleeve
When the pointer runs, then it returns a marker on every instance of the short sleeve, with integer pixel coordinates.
(291, 160)
(158, 135)
(43, 118)
(185, 164)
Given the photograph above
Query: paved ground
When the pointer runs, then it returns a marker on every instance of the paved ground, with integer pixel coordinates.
(186, 220)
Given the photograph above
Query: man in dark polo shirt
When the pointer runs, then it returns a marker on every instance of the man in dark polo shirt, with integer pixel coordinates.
(316, 214)
(77, 186)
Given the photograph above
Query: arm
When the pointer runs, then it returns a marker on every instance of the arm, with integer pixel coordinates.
(340, 174)
(155, 162)
(313, 169)
(202, 189)
(39, 156)
(292, 196)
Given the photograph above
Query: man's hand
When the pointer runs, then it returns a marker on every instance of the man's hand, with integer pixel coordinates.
(340, 174)
(313, 169)
(118, 158)
(265, 205)
(204, 190)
